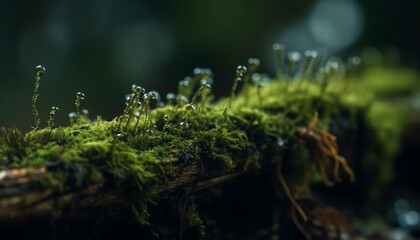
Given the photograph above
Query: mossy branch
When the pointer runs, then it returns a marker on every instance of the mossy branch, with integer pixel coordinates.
(154, 151)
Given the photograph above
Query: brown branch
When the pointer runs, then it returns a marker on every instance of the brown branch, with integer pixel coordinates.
(22, 196)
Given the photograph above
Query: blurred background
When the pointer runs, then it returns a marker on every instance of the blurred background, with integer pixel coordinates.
(102, 47)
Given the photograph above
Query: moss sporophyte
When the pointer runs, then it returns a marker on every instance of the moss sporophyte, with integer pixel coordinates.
(143, 147)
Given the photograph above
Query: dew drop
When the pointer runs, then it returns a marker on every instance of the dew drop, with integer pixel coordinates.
(128, 98)
(170, 96)
(278, 47)
(134, 87)
(208, 73)
(256, 77)
(294, 57)
(190, 107)
(85, 112)
(278, 50)
(149, 131)
(241, 70)
(185, 82)
(254, 62)
(54, 109)
(280, 142)
(137, 114)
(331, 67)
(183, 98)
(166, 117)
(40, 70)
(205, 83)
(137, 89)
(311, 54)
(198, 71)
(355, 61)
(72, 115)
(184, 125)
(161, 104)
(154, 95)
(120, 136)
(80, 95)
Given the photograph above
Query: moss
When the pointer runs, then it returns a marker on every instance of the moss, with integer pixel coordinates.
(388, 82)
(190, 219)
(385, 123)
(141, 154)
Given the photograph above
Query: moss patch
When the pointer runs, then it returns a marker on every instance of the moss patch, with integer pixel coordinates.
(141, 148)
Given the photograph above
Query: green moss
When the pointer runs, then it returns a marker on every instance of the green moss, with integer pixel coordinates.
(385, 123)
(388, 82)
(143, 153)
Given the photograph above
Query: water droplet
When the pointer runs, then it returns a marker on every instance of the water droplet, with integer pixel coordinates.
(85, 112)
(254, 62)
(278, 47)
(184, 125)
(134, 87)
(294, 57)
(198, 71)
(278, 50)
(208, 73)
(312, 54)
(72, 115)
(40, 70)
(149, 131)
(154, 95)
(190, 107)
(280, 142)
(331, 67)
(411, 218)
(184, 83)
(183, 98)
(355, 61)
(137, 114)
(80, 95)
(128, 98)
(256, 77)
(241, 70)
(120, 136)
(205, 84)
(54, 109)
(137, 89)
(166, 117)
(170, 96)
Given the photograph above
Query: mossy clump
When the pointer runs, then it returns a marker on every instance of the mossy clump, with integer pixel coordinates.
(142, 148)
(389, 82)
